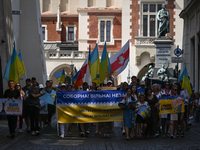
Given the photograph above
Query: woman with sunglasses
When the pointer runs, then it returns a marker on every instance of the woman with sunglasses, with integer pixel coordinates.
(167, 90)
(152, 121)
(18, 87)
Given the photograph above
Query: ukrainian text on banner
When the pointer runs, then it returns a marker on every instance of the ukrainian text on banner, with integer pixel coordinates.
(10, 107)
(171, 104)
(85, 106)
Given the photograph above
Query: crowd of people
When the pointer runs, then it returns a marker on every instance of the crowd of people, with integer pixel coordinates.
(38, 114)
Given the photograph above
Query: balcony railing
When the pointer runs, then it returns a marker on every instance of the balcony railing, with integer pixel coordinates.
(66, 54)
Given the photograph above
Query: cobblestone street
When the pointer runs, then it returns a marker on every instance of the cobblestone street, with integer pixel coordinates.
(48, 139)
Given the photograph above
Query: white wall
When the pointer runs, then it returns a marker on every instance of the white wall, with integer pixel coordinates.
(101, 3)
(6, 34)
(126, 35)
(73, 5)
(30, 41)
(83, 3)
(83, 31)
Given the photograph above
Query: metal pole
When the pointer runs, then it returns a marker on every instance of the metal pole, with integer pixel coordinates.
(177, 72)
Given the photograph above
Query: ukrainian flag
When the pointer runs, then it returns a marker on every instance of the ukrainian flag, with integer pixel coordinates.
(104, 65)
(74, 78)
(22, 64)
(95, 65)
(13, 67)
(185, 81)
(60, 76)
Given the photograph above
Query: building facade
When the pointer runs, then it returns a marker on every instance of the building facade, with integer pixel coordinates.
(25, 30)
(191, 40)
(70, 26)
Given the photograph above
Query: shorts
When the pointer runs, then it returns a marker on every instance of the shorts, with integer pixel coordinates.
(139, 119)
(164, 121)
(174, 117)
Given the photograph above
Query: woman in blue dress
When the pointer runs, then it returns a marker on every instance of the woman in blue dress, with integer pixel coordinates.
(128, 114)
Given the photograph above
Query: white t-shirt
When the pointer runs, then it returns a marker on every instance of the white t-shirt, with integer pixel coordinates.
(186, 96)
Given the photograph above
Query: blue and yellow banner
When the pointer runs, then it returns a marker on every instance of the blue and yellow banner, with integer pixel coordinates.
(11, 107)
(171, 104)
(85, 106)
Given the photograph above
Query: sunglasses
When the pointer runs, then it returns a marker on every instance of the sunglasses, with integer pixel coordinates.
(17, 85)
(175, 89)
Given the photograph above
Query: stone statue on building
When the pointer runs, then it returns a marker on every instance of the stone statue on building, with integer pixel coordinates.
(162, 73)
(150, 72)
(164, 19)
(144, 77)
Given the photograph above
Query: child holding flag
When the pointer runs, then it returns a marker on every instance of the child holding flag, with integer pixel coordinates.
(139, 118)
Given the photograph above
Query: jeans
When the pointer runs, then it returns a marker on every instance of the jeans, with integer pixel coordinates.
(64, 128)
(34, 116)
(12, 123)
(197, 114)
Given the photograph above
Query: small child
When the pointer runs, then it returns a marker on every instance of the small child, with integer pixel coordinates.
(139, 119)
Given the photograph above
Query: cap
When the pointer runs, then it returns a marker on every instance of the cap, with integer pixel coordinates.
(41, 86)
(142, 82)
(109, 81)
(63, 84)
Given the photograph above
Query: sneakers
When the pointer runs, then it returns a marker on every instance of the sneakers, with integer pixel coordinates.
(88, 132)
(123, 132)
(104, 135)
(108, 135)
(156, 135)
(191, 117)
(11, 135)
(62, 136)
(28, 129)
(33, 133)
(182, 134)
(82, 134)
(37, 132)
(177, 134)
(20, 131)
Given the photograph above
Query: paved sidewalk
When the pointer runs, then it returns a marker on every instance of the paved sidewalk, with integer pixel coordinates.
(48, 139)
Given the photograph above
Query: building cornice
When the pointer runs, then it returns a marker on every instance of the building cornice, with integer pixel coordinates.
(96, 9)
(189, 8)
(63, 14)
